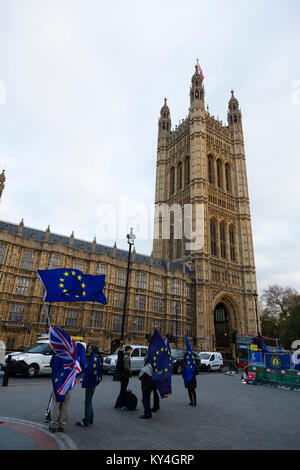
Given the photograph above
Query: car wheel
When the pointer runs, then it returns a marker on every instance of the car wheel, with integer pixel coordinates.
(32, 371)
(220, 368)
(208, 369)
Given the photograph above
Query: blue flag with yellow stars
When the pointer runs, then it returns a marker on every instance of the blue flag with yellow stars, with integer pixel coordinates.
(71, 285)
(277, 361)
(190, 366)
(160, 358)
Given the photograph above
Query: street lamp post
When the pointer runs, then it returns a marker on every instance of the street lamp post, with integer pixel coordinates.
(130, 241)
(255, 300)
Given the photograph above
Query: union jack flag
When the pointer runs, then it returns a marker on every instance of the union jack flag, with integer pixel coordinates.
(62, 344)
(66, 365)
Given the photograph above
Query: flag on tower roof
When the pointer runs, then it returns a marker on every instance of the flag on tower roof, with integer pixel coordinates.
(200, 70)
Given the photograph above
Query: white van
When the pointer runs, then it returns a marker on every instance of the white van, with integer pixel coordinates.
(211, 361)
(35, 360)
(137, 359)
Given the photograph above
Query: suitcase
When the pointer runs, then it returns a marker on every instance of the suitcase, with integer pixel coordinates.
(130, 400)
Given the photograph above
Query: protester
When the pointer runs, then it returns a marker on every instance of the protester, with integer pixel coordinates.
(156, 406)
(192, 385)
(92, 376)
(123, 369)
(148, 386)
(60, 403)
(67, 363)
(7, 372)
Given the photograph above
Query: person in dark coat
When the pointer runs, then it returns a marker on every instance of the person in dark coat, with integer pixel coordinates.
(124, 371)
(192, 385)
(92, 376)
(147, 386)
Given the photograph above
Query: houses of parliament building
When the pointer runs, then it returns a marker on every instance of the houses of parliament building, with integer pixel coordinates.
(203, 290)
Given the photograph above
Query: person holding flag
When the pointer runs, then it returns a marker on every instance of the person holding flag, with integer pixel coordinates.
(92, 376)
(189, 373)
(161, 361)
(67, 364)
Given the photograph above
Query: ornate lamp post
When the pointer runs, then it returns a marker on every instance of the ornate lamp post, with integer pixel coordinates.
(130, 241)
(256, 314)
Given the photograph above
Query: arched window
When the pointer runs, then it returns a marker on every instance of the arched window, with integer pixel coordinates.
(171, 241)
(232, 243)
(228, 178)
(213, 239)
(211, 172)
(172, 180)
(219, 173)
(179, 176)
(222, 240)
(187, 171)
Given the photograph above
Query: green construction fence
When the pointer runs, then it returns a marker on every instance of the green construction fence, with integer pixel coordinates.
(290, 377)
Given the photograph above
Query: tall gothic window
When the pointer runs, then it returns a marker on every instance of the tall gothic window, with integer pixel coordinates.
(219, 173)
(222, 240)
(211, 173)
(213, 240)
(179, 176)
(232, 243)
(172, 180)
(228, 178)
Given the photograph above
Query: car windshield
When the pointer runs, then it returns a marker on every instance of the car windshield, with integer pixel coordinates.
(177, 352)
(204, 356)
(37, 348)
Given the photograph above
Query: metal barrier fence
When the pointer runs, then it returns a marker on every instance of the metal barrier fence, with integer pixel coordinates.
(290, 378)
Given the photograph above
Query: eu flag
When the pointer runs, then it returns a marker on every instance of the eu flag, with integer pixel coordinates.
(190, 366)
(160, 359)
(71, 285)
(278, 361)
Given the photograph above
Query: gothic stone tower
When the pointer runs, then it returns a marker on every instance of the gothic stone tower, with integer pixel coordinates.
(201, 166)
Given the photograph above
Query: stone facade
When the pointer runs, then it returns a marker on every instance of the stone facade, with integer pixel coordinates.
(201, 163)
(203, 290)
(156, 289)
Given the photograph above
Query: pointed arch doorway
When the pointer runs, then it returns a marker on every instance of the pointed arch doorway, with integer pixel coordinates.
(221, 322)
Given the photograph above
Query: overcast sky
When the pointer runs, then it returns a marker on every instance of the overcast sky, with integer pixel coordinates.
(81, 87)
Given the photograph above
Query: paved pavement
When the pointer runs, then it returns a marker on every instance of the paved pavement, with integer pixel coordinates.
(229, 415)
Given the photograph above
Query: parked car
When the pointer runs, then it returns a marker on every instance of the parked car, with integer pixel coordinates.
(137, 358)
(211, 361)
(34, 360)
(178, 360)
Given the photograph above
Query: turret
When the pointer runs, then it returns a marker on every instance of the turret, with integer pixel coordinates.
(234, 115)
(164, 122)
(197, 89)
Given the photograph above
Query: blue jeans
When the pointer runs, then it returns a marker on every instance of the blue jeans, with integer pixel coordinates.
(88, 405)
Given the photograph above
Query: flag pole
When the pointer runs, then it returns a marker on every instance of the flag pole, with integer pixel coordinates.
(47, 312)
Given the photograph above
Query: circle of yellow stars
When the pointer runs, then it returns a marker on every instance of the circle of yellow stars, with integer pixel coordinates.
(62, 281)
(190, 360)
(155, 358)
